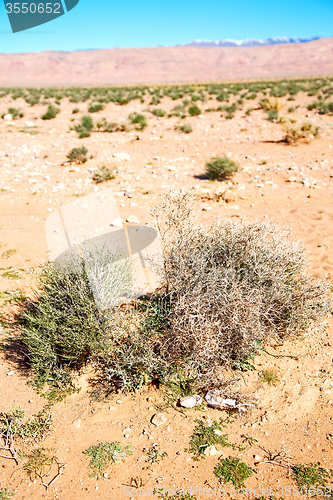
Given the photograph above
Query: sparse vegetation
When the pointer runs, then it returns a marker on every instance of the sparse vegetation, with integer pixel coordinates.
(139, 121)
(273, 115)
(310, 476)
(220, 168)
(85, 128)
(6, 494)
(204, 436)
(186, 128)
(95, 107)
(233, 470)
(271, 103)
(103, 174)
(104, 126)
(16, 113)
(158, 112)
(155, 455)
(35, 428)
(78, 155)
(269, 377)
(51, 113)
(297, 133)
(103, 455)
(194, 110)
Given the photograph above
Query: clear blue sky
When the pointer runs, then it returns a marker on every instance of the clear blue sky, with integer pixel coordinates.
(129, 23)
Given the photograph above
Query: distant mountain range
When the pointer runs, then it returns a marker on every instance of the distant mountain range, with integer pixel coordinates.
(167, 64)
(249, 42)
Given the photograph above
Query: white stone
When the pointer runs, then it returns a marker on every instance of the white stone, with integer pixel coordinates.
(132, 219)
(210, 451)
(29, 124)
(117, 222)
(190, 401)
(77, 423)
(158, 419)
(122, 156)
(215, 400)
(8, 117)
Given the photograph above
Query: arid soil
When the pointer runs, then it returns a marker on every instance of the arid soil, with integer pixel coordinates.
(292, 185)
(167, 64)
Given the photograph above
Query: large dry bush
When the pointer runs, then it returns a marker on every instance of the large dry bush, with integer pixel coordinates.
(303, 132)
(231, 285)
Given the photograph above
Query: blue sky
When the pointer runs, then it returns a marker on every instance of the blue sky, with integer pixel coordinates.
(129, 23)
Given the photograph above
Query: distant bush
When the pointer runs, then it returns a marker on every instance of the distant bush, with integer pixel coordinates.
(186, 128)
(75, 110)
(104, 126)
(304, 132)
(273, 115)
(194, 110)
(95, 107)
(158, 112)
(270, 103)
(85, 128)
(78, 155)
(51, 113)
(220, 168)
(323, 107)
(103, 174)
(230, 110)
(139, 121)
(16, 113)
(33, 99)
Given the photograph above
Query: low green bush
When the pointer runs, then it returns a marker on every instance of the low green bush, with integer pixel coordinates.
(194, 110)
(78, 155)
(51, 113)
(139, 121)
(220, 168)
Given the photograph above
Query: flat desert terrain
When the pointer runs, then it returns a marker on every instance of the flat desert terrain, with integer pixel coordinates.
(291, 185)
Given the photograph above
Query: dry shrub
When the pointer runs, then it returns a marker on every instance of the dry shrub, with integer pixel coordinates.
(303, 132)
(230, 285)
(270, 103)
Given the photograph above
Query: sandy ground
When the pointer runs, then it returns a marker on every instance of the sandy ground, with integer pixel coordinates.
(292, 185)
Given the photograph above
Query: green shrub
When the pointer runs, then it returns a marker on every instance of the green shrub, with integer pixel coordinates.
(220, 168)
(103, 454)
(310, 476)
(158, 112)
(233, 470)
(51, 113)
(103, 174)
(33, 99)
(5, 493)
(273, 115)
(75, 110)
(36, 427)
(95, 107)
(16, 113)
(85, 128)
(138, 120)
(65, 326)
(194, 110)
(230, 110)
(78, 155)
(186, 128)
(204, 436)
